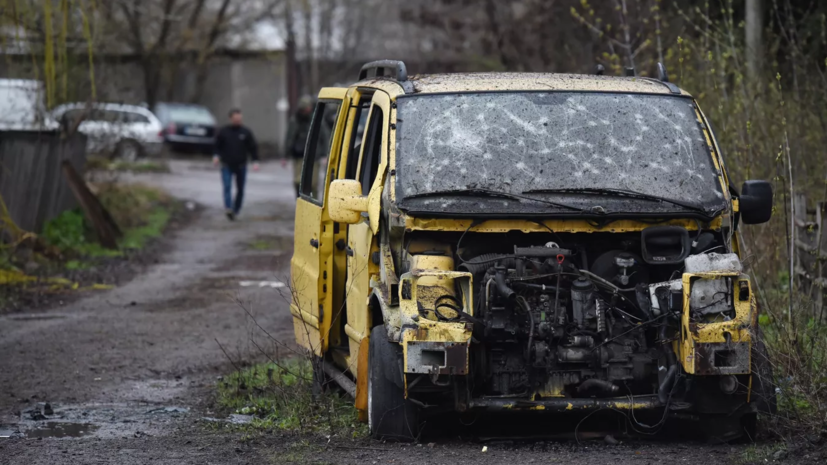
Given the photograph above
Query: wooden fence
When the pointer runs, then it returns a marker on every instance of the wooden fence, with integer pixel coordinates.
(31, 179)
(811, 252)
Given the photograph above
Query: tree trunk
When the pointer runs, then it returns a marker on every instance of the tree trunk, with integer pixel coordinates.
(754, 35)
(292, 76)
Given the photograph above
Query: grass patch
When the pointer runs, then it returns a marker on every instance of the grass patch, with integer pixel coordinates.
(761, 453)
(156, 220)
(66, 254)
(266, 243)
(141, 212)
(279, 396)
(301, 452)
(261, 244)
(141, 166)
(144, 166)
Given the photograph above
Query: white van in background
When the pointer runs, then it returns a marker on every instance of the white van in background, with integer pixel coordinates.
(22, 106)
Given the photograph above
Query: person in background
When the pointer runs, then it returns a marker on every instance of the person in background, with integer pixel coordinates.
(297, 131)
(234, 146)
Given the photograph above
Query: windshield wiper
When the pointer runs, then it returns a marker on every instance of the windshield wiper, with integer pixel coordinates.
(481, 192)
(618, 193)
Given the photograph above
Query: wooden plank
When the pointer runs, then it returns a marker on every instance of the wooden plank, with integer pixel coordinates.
(106, 229)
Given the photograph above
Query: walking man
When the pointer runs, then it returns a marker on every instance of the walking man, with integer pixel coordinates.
(234, 145)
(297, 131)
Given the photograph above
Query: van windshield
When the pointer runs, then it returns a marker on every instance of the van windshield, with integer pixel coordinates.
(560, 146)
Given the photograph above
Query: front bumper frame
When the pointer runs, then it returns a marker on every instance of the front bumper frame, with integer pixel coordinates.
(562, 404)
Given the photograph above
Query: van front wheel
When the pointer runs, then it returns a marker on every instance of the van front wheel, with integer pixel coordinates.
(390, 415)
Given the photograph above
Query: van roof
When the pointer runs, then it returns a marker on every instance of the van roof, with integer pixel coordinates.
(21, 83)
(487, 82)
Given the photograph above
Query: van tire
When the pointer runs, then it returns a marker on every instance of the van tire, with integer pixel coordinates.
(744, 424)
(390, 415)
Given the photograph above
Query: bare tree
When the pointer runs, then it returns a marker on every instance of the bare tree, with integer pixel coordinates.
(754, 26)
(168, 34)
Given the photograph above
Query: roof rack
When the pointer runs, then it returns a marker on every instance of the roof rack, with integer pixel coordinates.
(663, 77)
(378, 67)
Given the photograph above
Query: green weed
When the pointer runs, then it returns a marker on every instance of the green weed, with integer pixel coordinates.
(760, 453)
(67, 231)
(142, 166)
(145, 166)
(279, 396)
(261, 244)
(73, 265)
(300, 452)
(141, 212)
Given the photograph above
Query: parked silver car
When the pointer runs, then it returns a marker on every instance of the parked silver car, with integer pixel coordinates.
(114, 130)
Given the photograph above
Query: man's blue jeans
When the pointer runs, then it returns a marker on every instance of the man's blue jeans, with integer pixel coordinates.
(227, 174)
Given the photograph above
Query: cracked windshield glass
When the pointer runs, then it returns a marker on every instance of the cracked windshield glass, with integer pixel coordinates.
(527, 143)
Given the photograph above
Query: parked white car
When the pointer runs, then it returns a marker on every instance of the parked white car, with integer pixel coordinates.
(22, 107)
(126, 132)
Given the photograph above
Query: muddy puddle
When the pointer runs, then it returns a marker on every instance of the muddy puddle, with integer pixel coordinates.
(37, 317)
(54, 429)
(104, 420)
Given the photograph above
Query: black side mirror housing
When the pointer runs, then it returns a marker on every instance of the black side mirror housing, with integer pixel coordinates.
(755, 202)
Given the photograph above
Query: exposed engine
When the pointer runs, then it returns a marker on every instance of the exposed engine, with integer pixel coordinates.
(553, 323)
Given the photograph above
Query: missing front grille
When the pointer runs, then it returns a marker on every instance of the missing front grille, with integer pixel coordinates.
(432, 358)
(725, 358)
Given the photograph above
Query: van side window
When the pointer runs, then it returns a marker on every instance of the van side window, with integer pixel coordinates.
(373, 151)
(355, 145)
(317, 150)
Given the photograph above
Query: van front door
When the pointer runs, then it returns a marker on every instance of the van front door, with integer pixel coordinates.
(311, 265)
(362, 235)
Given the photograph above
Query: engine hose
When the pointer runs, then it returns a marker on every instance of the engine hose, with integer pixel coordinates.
(593, 384)
(671, 358)
(672, 361)
(537, 287)
(664, 391)
(481, 263)
(524, 305)
(502, 287)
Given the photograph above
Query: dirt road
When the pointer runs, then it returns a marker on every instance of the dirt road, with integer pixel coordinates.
(129, 372)
(135, 362)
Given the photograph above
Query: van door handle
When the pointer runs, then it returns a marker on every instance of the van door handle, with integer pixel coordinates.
(314, 243)
(349, 251)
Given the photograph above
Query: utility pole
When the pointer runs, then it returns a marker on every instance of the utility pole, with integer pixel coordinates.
(754, 35)
(292, 61)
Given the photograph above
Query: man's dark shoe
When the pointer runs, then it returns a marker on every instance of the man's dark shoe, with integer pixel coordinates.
(230, 215)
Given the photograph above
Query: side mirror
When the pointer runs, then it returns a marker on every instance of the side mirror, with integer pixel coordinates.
(755, 202)
(346, 201)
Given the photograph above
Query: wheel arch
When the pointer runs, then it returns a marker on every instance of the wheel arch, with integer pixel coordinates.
(382, 313)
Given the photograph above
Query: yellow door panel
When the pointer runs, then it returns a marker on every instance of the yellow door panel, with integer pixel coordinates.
(312, 265)
(304, 275)
(359, 270)
(362, 236)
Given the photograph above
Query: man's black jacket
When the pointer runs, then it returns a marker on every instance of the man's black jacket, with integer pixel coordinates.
(234, 144)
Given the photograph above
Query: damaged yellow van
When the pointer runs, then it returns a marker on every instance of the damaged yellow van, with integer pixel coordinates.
(541, 243)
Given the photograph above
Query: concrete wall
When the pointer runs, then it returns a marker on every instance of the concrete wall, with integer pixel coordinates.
(253, 82)
(257, 86)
